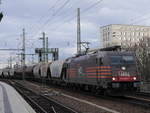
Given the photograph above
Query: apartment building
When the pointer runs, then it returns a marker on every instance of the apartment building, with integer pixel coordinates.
(123, 35)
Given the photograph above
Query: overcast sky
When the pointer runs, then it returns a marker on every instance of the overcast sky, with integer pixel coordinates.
(58, 19)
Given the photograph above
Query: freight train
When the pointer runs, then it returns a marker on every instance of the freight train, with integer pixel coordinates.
(98, 71)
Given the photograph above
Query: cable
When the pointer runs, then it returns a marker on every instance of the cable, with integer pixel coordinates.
(63, 5)
(138, 17)
(0, 4)
(59, 9)
(49, 10)
(90, 7)
(57, 13)
(83, 11)
(139, 20)
(50, 19)
(43, 16)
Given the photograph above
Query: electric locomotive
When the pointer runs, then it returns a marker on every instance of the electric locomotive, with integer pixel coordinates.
(107, 71)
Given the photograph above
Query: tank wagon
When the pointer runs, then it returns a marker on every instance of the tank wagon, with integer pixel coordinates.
(11, 72)
(6, 73)
(56, 69)
(45, 70)
(37, 71)
(29, 72)
(18, 72)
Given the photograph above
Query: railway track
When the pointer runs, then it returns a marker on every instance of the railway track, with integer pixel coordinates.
(138, 99)
(142, 99)
(131, 101)
(143, 94)
(39, 102)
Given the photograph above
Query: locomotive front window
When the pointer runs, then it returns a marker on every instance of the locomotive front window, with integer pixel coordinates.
(116, 59)
(122, 59)
(128, 59)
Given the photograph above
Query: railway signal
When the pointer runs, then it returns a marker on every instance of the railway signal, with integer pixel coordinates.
(53, 51)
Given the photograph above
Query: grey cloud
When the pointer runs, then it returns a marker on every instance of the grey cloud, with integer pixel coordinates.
(32, 14)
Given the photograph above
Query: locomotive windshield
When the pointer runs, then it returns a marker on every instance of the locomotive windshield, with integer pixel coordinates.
(122, 59)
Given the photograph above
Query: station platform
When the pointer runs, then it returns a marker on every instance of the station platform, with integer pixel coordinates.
(11, 101)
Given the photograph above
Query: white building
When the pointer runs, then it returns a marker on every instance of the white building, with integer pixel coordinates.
(123, 35)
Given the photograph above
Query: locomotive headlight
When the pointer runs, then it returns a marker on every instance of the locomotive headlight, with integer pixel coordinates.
(123, 68)
(134, 78)
(113, 78)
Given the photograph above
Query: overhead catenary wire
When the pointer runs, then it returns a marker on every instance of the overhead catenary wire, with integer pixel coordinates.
(140, 20)
(82, 11)
(0, 4)
(57, 11)
(71, 18)
(43, 16)
(52, 17)
(54, 14)
(54, 20)
(52, 7)
(91, 6)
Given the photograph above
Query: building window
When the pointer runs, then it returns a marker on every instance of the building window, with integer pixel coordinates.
(142, 34)
(133, 33)
(129, 38)
(124, 38)
(139, 33)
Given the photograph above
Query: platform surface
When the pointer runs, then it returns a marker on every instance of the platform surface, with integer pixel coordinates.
(11, 101)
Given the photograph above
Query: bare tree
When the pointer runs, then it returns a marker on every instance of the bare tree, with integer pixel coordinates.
(143, 55)
(142, 52)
